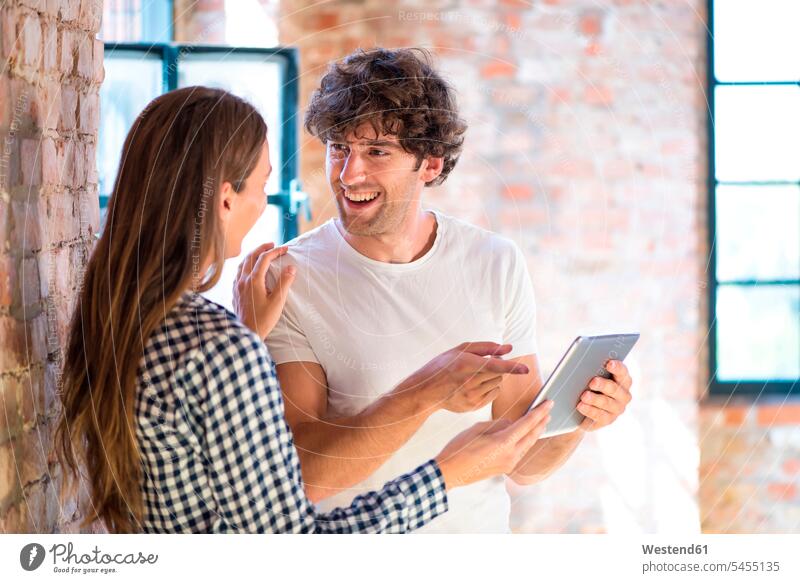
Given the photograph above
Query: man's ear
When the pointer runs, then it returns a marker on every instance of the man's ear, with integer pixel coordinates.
(225, 202)
(431, 168)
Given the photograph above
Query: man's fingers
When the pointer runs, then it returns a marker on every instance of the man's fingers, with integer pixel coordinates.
(610, 388)
(620, 373)
(498, 365)
(597, 415)
(485, 348)
(602, 402)
(488, 397)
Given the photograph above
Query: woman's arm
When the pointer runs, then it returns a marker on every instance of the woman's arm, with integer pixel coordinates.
(253, 468)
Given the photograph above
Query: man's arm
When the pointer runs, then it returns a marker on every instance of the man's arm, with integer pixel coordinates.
(547, 454)
(337, 453)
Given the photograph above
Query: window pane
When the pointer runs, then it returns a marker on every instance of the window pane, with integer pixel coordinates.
(137, 21)
(758, 232)
(758, 332)
(132, 80)
(756, 41)
(757, 132)
(257, 78)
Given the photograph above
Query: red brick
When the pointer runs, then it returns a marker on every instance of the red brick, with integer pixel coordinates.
(69, 107)
(70, 10)
(32, 41)
(32, 448)
(10, 418)
(518, 192)
(50, 103)
(66, 53)
(85, 61)
(99, 70)
(8, 22)
(497, 69)
(89, 113)
(591, 23)
(9, 485)
(771, 415)
(8, 280)
(782, 490)
(791, 467)
(50, 46)
(79, 160)
(29, 283)
(50, 174)
(598, 95)
(30, 396)
(735, 415)
(30, 163)
(26, 235)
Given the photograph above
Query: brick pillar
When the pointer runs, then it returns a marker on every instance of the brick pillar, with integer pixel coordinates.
(52, 67)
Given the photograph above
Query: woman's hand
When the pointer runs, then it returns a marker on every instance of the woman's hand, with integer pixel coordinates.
(258, 307)
(491, 448)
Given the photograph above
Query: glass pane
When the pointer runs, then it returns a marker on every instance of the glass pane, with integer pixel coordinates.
(257, 78)
(133, 79)
(758, 332)
(758, 232)
(137, 21)
(756, 41)
(757, 132)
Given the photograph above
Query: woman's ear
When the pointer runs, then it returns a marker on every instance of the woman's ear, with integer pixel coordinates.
(225, 202)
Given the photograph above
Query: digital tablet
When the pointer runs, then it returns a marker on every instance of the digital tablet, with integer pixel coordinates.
(585, 359)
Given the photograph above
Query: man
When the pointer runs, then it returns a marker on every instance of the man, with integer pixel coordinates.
(388, 285)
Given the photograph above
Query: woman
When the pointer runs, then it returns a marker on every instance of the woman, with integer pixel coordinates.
(170, 401)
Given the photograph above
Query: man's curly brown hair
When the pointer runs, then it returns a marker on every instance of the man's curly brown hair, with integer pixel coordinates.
(398, 93)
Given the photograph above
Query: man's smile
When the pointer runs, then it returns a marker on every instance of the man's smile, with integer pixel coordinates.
(360, 199)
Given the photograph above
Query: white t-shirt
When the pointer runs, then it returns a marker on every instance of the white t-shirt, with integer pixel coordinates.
(371, 324)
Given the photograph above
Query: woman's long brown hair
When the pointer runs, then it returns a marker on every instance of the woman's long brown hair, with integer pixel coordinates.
(161, 227)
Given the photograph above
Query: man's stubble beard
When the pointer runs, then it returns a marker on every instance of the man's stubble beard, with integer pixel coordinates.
(388, 219)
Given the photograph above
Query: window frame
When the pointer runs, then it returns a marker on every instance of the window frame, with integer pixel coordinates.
(290, 199)
(717, 387)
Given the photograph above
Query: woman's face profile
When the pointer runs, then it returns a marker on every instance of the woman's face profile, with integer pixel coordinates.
(239, 211)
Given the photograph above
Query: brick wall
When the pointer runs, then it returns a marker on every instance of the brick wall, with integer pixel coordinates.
(49, 111)
(750, 467)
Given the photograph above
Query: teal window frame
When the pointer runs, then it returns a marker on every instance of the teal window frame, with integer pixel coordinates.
(290, 199)
(753, 388)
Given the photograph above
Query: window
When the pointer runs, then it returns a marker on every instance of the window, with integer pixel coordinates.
(136, 72)
(754, 210)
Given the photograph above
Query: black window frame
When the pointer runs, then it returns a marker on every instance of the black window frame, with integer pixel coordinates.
(750, 388)
(290, 199)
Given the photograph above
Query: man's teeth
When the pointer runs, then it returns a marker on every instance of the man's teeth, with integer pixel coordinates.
(361, 196)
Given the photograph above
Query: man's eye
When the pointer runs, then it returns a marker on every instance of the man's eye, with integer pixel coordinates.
(338, 147)
(378, 153)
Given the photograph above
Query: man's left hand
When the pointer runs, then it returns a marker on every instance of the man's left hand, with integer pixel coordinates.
(607, 398)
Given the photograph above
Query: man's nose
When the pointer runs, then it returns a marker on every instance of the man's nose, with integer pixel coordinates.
(353, 171)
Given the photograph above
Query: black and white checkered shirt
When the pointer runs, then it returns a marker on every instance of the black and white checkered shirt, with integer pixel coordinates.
(217, 453)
